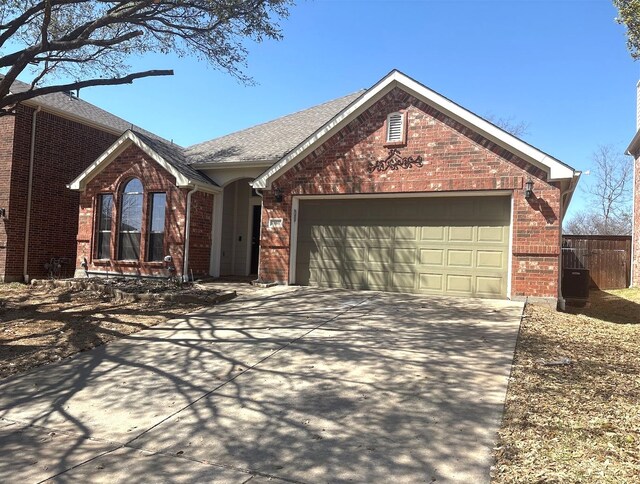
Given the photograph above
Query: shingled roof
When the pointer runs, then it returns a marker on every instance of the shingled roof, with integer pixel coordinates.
(74, 107)
(268, 141)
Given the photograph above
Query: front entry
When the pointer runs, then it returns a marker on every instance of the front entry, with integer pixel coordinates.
(255, 238)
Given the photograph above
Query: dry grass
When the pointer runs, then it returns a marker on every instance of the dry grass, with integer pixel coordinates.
(578, 422)
(39, 325)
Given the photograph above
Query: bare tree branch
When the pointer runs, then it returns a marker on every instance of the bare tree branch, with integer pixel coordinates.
(13, 99)
(92, 39)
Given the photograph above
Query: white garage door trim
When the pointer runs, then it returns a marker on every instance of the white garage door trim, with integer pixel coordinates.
(295, 210)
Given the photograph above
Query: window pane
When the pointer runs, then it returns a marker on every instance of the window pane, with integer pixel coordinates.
(155, 251)
(131, 215)
(158, 201)
(129, 246)
(156, 247)
(106, 204)
(104, 238)
(134, 186)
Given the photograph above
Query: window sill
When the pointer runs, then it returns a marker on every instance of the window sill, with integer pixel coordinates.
(127, 262)
(101, 262)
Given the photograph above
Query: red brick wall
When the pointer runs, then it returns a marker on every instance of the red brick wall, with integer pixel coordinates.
(134, 163)
(455, 158)
(636, 226)
(200, 237)
(6, 154)
(63, 149)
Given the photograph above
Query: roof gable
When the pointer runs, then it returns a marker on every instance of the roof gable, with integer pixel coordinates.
(169, 157)
(556, 169)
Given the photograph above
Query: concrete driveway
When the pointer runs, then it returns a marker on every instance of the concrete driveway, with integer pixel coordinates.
(291, 384)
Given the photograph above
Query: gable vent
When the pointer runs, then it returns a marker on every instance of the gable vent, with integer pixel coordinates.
(395, 128)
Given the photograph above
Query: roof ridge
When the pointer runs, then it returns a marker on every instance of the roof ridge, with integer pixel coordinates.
(276, 119)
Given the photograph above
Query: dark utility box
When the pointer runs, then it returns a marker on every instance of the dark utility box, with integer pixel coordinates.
(575, 283)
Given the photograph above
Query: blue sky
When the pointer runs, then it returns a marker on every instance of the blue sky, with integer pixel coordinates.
(560, 66)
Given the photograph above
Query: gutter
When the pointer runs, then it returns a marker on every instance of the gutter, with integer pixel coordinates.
(27, 224)
(187, 230)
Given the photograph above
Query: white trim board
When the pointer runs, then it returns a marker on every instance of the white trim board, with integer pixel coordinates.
(121, 144)
(553, 167)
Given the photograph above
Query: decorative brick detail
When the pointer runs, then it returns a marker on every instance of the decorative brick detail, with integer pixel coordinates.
(134, 163)
(63, 149)
(455, 158)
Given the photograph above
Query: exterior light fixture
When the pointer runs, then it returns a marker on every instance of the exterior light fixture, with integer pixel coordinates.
(3, 213)
(278, 196)
(528, 189)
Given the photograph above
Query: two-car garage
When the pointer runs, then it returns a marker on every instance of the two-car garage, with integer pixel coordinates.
(429, 245)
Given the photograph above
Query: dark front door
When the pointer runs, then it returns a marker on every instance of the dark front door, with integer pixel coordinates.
(255, 238)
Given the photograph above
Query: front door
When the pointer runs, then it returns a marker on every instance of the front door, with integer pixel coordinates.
(255, 238)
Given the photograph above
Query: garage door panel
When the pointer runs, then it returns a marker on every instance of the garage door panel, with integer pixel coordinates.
(432, 257)
(459, 283)
(491, 259)
(404, 256)
(460, 258)
(424, 245)
(430, 234)
(488, 286)
(461, 234)
(492, 234)
(431, 282)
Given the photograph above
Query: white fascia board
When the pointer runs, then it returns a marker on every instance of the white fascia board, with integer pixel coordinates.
(117, 148)
(555, 168)
(80, 183)
(634, 145)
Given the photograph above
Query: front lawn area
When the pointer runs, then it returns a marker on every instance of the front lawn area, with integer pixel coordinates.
(573, 404)
(39, 325)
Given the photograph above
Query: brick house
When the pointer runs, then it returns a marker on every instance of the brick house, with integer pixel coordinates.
(46, 144)
(392, 188)
(634, 150)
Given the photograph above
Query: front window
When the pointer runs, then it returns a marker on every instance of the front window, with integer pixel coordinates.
(155, 250)
(105, 208)
(130, 221)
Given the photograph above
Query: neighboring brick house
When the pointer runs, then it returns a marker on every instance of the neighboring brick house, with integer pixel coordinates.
(392, 188)
(634, 150)
(44, 146)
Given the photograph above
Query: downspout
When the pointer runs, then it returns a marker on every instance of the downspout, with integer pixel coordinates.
(187, 230)
(32, 155)
(563, 196)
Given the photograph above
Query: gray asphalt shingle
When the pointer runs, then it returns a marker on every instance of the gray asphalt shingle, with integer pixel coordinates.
(269, 141)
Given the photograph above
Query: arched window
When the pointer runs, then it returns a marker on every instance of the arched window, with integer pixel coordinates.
(130, 220)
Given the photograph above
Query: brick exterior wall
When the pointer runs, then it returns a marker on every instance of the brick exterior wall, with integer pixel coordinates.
(7, 124)
(455, 159)
(635, 264)
(134, 163)
(63, 148)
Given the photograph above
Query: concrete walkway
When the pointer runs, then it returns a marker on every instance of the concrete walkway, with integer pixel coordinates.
(286, 384)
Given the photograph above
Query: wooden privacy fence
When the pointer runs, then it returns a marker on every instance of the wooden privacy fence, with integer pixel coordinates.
(608, 258)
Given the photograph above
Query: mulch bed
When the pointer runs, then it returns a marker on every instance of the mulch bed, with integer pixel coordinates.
(573, 404)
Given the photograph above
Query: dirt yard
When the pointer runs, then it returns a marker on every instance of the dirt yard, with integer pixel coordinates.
(39, 325)
(573, 412)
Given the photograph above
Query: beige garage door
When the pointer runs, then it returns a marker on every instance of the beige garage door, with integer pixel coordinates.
(452, 246)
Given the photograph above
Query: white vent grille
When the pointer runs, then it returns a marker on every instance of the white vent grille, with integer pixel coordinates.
(395, 127)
